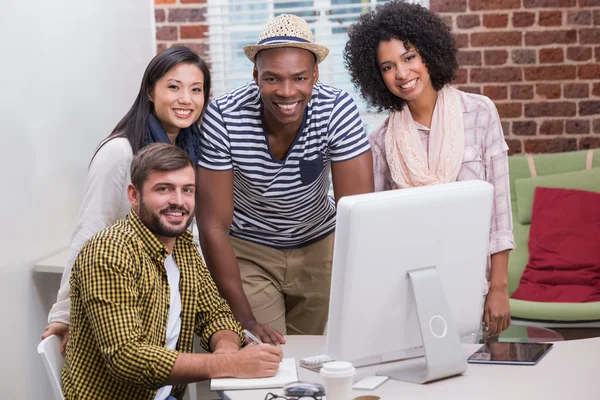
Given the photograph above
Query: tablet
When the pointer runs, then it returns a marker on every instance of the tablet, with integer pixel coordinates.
(510, 353)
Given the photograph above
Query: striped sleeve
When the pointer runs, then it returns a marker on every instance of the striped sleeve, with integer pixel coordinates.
(214, 141)
(347, 138)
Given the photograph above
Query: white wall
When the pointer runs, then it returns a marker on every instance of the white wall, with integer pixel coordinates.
(69, 70)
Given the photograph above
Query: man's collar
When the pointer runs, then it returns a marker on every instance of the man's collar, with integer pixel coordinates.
(150, 242)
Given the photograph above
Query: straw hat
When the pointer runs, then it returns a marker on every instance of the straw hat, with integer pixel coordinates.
(286, 30)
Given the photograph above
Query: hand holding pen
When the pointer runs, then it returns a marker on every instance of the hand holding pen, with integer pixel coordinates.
(252, 339)
(257, 360)
(265, 333)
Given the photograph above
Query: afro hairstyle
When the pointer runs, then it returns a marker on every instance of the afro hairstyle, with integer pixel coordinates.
(415, 26)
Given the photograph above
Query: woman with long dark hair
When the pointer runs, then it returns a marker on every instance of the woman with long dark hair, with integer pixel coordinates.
(173, 95)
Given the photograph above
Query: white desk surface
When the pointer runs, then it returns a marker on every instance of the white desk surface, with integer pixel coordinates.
(569, 371)
(54, 264)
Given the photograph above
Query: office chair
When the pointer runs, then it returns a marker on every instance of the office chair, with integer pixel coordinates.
(53, 359)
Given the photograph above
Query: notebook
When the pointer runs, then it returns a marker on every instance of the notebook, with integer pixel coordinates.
(287, 374)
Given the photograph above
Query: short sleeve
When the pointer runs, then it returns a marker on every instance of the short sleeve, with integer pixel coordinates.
(214, 140)
(347, 138)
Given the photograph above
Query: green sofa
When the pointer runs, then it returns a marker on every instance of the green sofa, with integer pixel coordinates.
(565, 170)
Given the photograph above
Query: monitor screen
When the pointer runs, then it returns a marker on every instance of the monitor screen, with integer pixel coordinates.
(380, 238)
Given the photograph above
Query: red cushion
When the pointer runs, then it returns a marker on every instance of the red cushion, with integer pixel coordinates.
(564, 248)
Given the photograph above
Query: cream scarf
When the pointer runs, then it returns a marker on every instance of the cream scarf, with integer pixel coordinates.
(409, 164)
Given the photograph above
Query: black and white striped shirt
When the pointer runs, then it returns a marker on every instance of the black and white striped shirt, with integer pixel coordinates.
(281, 203)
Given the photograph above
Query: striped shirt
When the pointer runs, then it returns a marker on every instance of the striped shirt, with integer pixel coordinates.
(120, 299)
(281, 203)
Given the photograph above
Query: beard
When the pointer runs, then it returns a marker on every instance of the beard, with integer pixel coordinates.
(159, 226)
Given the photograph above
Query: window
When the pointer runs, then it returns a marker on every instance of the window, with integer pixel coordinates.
(236, 23)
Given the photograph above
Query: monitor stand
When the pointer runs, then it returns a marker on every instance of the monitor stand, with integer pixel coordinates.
(444, 354)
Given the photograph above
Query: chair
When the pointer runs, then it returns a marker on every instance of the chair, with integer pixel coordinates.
(49, 350)
(551, 314)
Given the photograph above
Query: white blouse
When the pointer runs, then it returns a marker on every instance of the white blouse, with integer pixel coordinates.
(104, 202)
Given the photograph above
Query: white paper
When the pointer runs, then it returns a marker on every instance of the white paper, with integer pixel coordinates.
(286, 374)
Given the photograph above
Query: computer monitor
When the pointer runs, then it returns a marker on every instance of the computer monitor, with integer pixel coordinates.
(409, 277)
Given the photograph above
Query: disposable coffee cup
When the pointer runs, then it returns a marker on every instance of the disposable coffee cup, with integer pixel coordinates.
(338, 377)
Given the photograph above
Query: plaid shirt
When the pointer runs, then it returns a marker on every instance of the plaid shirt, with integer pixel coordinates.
(485, 158)
(120, 307)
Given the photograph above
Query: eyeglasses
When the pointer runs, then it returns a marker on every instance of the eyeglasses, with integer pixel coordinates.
(271, 396)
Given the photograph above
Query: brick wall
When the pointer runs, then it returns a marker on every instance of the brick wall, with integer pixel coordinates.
(181, 22)
(539, 61)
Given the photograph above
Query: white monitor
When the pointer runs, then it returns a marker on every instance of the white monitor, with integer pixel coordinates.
(408, 270)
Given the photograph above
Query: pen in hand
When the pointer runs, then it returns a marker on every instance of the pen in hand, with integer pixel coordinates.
(251, 338)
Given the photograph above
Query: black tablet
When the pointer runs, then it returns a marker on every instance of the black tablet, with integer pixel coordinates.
(510, 353)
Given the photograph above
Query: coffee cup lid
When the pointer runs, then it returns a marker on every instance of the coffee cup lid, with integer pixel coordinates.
(337, 369)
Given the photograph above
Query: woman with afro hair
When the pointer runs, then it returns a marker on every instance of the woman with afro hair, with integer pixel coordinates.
(402, 57)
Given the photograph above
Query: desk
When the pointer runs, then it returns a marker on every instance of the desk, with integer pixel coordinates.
(568, 371)
(55, 264)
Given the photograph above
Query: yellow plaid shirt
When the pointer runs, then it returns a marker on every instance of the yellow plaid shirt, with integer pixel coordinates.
(119, 311)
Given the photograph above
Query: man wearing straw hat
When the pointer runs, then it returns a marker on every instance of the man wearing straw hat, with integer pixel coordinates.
(265, 216)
